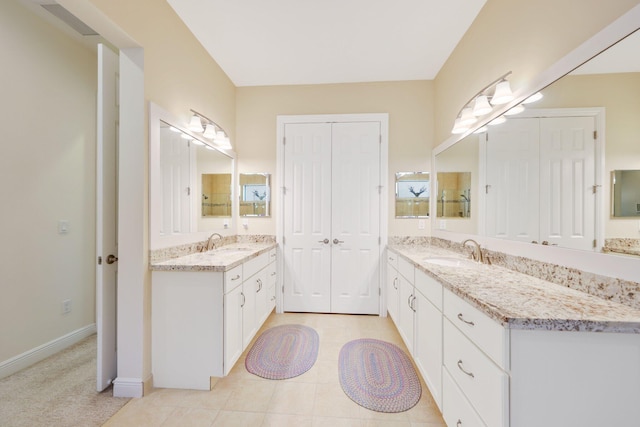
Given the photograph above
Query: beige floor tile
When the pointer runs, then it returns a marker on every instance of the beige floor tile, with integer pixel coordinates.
(337, 422)
(139, 414)
(214, 399)
(327, 371)
(250, 395)
(191, 417)
(332, 402)
(287, 420)
(167, 396)
(293, 398)
(426, 411)
(238, 419)
(386, 423)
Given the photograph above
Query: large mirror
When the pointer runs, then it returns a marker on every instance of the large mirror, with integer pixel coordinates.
(625, 192)
(412, 194)
(191, 183)
(546, 175)
(255, 194)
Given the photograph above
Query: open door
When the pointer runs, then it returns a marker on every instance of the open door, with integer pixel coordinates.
(106, 215)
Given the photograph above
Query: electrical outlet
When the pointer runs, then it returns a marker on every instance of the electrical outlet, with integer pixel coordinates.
(421, 224)
(63, 226)
(66, 306)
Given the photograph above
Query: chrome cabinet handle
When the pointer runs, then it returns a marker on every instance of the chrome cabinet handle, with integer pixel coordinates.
(259, 282)
(409, 301)
(235, 278)
(244, 299)
(395, 283)
(325, 241)
(413, 303)
(462, 369)
(465, 321)
(336, 241)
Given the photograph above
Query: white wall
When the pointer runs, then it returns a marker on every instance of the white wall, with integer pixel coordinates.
(47, 173)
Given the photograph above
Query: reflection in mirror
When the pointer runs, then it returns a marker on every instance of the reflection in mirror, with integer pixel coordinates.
(255, 194)
(626, 193)
(538, 148)
(216, 194)
(454, 195)
(412, 194)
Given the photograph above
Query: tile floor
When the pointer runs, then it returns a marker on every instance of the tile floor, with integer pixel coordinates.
(314, 399)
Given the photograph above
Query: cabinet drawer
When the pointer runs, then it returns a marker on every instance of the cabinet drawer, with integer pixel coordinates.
(430, 288)
(392, 259)
(456, 409)
(486, 333)
(273, 254)
(232, 278)
(272, 274)
(482, 382)
(407, 269)
(254, 265)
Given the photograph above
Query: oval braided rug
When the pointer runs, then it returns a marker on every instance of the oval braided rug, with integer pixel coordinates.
(378, 375)
(284, 351)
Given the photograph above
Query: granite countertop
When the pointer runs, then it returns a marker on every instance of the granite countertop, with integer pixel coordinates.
(221, 259)
(520, 301)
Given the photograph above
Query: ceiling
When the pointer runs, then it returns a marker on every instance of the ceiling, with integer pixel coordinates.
(286, 42)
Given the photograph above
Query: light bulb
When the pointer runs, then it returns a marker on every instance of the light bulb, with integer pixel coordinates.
(481, 106)
(502, 94)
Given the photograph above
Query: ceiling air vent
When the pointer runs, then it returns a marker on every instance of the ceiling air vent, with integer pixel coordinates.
(69, 19)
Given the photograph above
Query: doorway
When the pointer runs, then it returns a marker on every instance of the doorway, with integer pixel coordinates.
(332, 229)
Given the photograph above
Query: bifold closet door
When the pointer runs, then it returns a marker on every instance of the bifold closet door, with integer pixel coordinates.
(332, 217)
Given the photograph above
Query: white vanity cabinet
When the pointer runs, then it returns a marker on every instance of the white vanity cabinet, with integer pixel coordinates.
(406, 310)
(202, 321)
(393, 285)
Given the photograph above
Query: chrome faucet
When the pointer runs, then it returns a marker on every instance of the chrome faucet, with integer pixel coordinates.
(476, 252)
(210, 243)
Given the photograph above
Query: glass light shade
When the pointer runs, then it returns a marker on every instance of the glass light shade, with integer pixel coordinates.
(467, 118)
(533, 98)
(498, 121)
(209, 131)
(502, 94)
(515, 110)
(481, 106)
(459, 127)
(195, 124)
(220, 135)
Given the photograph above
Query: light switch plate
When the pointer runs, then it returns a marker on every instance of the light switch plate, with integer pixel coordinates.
(421, 224)
(63, 226)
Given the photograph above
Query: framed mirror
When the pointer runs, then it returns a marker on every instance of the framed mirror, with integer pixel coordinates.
(191, 183)
(413, 190)
(255, 194)
(579, 134)
(454, 195)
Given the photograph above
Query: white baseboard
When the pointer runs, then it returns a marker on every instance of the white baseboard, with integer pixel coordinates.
(128, 387)
(35, 355)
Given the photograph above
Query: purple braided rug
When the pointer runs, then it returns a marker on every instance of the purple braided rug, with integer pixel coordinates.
(378, 375)
(284, 351)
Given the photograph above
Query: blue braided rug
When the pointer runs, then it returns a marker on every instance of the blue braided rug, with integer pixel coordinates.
(378, 376)
(284, 351)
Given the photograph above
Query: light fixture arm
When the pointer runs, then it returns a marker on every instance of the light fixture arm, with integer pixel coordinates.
(484, 89)
(209, 121)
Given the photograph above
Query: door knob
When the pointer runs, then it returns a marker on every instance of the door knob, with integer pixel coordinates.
(111, 259)
(336, 241)
(325, 241)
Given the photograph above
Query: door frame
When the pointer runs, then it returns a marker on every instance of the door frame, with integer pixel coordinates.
(281, 121)
(598, 115)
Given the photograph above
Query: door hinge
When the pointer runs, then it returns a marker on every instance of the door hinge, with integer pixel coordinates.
(379, 189)
(595, 188)
(99, 260)
(188, 191)
(595, 243)
(379, 240)
(284, 191)
(283, 239)
(284, 140)
(486, 189)
(283, 289)
(379, 292)
(379, 139)
(595, 134)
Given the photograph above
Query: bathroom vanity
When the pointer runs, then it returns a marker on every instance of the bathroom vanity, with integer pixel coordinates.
(499, 348)
(206, 309)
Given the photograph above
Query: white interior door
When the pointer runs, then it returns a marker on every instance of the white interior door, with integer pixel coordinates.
(355, 217)
(332, 217)
(567, 179)
(307, 218)
(106, 218)
(512, 182)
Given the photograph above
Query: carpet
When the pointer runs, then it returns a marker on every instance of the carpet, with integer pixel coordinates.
(59, 391)
(284, 351)
(378, 376)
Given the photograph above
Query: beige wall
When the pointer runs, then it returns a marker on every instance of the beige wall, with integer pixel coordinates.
(410, 108)
(522, 36)
(47, 173)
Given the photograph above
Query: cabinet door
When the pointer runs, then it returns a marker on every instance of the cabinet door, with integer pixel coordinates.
(405, 312)
(393, 292)
(428, 345)
(232, 327)
(249, 290)
(262, 297)
(272, 280)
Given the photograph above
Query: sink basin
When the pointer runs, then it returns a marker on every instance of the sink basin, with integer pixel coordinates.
(452, 262)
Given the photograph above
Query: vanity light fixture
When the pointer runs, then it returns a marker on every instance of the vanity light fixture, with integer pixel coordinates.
(209, 131)
(195, 124)
(212, 131)
(498, 92)
(533, 98)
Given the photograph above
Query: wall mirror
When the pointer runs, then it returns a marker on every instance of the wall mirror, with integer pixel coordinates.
(412, 194)
(191, 183)
(255, 194)
(584, 128)
(625, 191)
(454, 195)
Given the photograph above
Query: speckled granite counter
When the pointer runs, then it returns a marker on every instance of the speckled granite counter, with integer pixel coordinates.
(521, 301)
(221, 259)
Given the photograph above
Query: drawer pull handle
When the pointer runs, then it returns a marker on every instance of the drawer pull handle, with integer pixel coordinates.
(413, 303)
(462, 369)
(395, 283)
(459, 423)
(244, 299)
(259, 285)
(235, 278)
(465, 321)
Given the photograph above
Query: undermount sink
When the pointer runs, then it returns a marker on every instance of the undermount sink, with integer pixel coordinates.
(452, 262)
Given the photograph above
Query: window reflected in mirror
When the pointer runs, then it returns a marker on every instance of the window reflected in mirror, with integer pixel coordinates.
(255, 194)
(412, 194)
(625, 190)
(454, 195)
